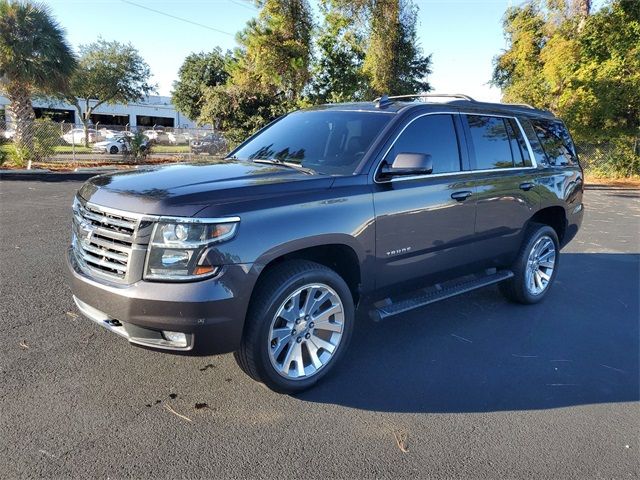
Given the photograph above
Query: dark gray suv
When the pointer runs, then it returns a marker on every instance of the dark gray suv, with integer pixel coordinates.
(389, 205)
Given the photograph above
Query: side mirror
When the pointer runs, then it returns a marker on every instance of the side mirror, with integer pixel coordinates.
(409, 164)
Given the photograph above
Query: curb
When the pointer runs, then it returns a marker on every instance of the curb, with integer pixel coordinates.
(50, 176)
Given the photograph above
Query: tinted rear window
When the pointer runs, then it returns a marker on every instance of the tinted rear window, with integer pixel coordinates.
(556, 142)
(327, 141)
(491, 143)
(433, 135)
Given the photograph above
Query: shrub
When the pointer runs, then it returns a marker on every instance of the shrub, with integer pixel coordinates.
(618, 158)
(139, 146)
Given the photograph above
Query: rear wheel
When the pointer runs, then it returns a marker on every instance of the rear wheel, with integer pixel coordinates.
(298, 326)
(536, 267)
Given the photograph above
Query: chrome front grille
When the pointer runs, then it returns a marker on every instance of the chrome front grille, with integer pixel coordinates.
(103, 239)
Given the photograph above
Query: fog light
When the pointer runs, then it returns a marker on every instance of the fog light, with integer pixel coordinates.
(178, 339)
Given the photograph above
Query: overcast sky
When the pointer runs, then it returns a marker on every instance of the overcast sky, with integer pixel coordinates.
(462, 35)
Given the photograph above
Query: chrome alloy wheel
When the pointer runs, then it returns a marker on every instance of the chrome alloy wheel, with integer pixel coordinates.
(306, 331)
(540, 265)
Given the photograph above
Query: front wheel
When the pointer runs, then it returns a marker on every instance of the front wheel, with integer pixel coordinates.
(298, 326)
(536, 267)
(113, 150)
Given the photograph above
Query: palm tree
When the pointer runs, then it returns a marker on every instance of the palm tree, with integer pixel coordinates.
(35, 58)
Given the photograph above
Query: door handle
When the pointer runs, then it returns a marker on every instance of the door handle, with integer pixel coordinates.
(461, 196)
(526, 186)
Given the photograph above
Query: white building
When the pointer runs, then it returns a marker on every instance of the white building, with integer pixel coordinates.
(153, 111)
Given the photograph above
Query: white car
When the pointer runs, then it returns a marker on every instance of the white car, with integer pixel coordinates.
(76, 136)
(176, 138)
(108, 134)
(156, 136)
(9, 134)
(114, 146)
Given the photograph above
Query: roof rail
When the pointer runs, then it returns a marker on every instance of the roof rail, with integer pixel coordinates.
(522, 105)
(426, 95)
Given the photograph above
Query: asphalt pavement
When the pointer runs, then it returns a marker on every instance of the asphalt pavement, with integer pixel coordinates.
(473, 387)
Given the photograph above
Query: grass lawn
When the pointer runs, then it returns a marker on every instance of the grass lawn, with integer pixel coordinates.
(69, 149)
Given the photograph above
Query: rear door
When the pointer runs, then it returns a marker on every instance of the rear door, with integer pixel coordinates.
(421, 228)
(505, 181)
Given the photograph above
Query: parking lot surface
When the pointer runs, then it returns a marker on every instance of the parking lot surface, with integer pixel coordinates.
(472, 387)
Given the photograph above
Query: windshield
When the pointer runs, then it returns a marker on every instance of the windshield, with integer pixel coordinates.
(328, 141)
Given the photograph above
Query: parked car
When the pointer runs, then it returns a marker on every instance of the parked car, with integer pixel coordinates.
(211, 144)
(385, 206)
(8, 134)
(176, 138)
(108, 134)
(114, 146)
(156, 136)
(76, 136)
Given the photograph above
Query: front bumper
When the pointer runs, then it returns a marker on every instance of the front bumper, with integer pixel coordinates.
(210, 312)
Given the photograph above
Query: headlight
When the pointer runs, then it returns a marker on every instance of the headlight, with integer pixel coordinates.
(178, 248)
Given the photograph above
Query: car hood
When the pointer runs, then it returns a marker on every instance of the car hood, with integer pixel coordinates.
(185, 189)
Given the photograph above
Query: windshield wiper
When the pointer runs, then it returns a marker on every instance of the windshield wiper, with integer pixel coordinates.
(284, 163)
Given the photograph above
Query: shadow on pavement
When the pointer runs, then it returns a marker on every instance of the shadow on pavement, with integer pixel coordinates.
(479, 353)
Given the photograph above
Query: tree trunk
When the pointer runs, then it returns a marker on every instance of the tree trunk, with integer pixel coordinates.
(582, 8)
(22, 112)
(86, 117)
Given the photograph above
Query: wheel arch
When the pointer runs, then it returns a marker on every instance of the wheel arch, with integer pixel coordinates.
(555, 217)
(338, 256)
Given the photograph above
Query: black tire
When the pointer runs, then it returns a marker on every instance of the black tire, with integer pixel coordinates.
(113, 150)
(515, 289)
(253, 357)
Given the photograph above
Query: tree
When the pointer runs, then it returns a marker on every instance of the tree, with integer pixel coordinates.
(108, 72)
(275, 50)
(268, 72)
(199, 71)
(35, 58)
(337, 71)
(518, 70)
(582, 65)
(394, 62)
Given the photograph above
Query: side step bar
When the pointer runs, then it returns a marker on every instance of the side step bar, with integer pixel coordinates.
(435, 294)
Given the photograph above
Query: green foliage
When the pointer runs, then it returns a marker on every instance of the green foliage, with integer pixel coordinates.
(364, 48)
(267, 74)
(199, 71)
(112, 72)
(618, 159)
(108, 72)
(139, 146)
(275, 50)
(585, 68)
(337, 70)
(19, 155)
(35, 58)
(33, 50)
(394, 61)
(237, 112)
(46, 135)
(517, 71)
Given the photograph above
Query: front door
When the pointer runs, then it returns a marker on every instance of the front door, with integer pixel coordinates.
(425, 224)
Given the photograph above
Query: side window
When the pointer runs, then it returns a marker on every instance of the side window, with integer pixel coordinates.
(519, 149)
(556, 142)
(434, 135)
(491, 142)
